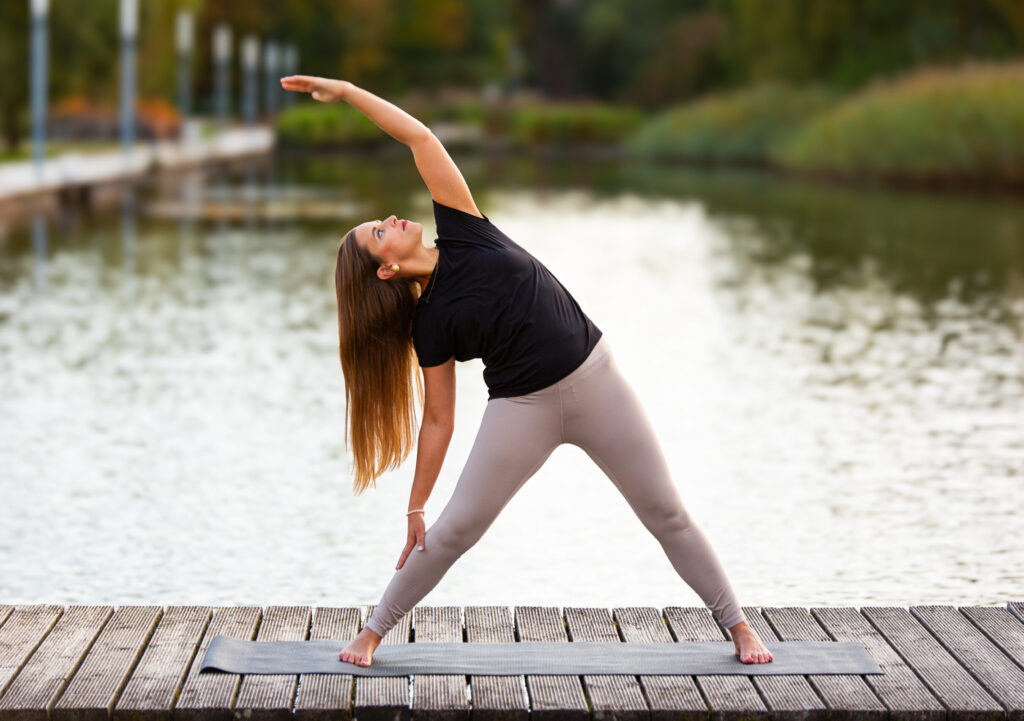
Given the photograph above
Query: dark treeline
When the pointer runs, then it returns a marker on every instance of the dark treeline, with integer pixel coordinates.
(652, 53)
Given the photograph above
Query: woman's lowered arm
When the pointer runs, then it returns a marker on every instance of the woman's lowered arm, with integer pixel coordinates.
(439, 172)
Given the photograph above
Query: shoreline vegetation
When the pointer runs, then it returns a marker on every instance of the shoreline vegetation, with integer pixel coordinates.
(957, 127)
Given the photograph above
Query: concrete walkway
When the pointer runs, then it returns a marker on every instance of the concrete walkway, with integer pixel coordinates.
(22, 179)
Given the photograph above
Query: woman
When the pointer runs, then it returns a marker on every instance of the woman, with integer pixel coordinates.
(550, 373)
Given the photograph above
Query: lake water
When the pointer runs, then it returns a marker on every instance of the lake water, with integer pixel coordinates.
(836, 376)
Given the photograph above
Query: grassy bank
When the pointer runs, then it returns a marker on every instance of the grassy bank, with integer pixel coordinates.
(739, 126)
(521, 122)
(935, 124)
(325, 124)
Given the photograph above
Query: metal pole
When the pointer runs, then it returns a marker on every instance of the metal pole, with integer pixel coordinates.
(184, 44)
(291, 67)
(250, 58)
(38, 82)
(271, 83)
(221, 59)
(129, 29)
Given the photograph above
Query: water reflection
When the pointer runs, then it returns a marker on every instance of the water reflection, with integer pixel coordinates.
(836, 377)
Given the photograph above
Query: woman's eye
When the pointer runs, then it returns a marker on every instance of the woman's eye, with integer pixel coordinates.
(379, 231)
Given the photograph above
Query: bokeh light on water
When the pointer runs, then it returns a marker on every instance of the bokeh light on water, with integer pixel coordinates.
(836, 378)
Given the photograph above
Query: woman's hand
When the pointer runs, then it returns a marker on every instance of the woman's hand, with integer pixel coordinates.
(323, 89)
(417, 537)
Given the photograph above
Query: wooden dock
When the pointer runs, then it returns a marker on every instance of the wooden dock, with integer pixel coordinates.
(140, 663)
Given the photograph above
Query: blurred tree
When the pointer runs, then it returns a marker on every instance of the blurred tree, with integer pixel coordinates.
(82, 60)
(652, 53)
(847, 43)
(685, 61)
(14, 50)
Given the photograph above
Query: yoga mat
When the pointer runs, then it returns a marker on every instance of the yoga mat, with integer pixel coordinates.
(510, 659)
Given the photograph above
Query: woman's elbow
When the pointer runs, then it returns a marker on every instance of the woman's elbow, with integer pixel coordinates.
(441, 421)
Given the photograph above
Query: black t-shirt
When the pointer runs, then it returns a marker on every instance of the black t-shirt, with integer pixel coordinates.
(495, 301)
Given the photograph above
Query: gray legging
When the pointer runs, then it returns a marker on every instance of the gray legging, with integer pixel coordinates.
(595, 408)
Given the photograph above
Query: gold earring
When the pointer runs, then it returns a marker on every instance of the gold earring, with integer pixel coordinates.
(394, 268)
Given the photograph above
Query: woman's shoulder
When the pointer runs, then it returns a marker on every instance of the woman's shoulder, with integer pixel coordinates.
(459, 227)
(458, 212)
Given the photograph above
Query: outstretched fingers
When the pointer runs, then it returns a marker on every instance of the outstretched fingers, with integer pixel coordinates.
(299, 83)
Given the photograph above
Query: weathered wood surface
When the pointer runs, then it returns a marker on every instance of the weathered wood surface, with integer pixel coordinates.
(140, 663)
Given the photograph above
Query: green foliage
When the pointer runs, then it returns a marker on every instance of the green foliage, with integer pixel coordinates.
(846, 43)
(569, 123)
(932, 123)
(522, 123)
(737, 126)
(327, 124)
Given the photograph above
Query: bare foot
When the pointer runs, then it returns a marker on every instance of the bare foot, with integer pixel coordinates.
(749, 648)
(360, 649)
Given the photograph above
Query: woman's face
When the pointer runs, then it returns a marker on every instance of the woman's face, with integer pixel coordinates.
(393, 240)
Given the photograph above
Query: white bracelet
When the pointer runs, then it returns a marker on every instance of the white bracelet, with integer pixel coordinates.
(415, 510)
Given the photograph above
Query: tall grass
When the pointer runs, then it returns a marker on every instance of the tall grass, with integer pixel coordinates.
(741, 125)
(327, 124)
(564, 123)
(521, 122)
(930, 124)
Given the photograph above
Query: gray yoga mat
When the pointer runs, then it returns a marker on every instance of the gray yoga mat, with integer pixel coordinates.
(512, 659)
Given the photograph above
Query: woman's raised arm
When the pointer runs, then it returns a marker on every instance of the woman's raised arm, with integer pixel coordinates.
(439, 172)
(390, 118)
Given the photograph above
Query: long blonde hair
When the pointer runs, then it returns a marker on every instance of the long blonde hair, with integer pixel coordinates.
(383, 389)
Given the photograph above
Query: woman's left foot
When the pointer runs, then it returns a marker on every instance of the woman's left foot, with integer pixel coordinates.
(749, 648)
(360, 650)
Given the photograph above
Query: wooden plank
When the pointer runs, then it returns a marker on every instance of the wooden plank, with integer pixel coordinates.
(729, 697)
(551, 696)
(328, 696)
(1016, 608)
(615, 696)
(849, 697)
(898, 687)
(42, 679)
(943, 675)
(95, 687)
(150, 692)
(269, 696)
(670, 698)
(207, 696)
(22, 632)
(5, 611)
(436, 697)
(984, 660)
(794, 697)
(1002, 628)
(495, 698)
(385, 698)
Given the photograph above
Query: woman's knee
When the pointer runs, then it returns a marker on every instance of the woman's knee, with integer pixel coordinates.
(666, 521)
(455, 537)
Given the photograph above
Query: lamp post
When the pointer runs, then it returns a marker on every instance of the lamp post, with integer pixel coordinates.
(272, 85)
(37, 82)
(221, 62)
(291, 67)
(40, 10)
(129, 31)
(250, 58)
(184, 46)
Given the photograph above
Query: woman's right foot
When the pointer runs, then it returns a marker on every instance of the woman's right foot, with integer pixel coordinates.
(360, 649)
(749, 648)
